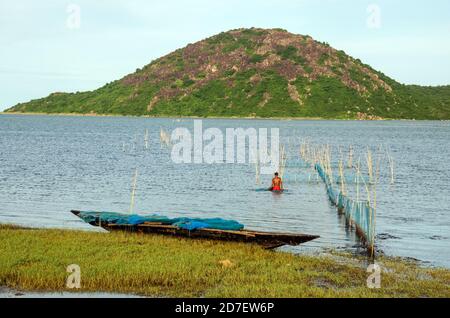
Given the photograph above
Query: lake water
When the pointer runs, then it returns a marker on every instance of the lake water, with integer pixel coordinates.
(50, 165)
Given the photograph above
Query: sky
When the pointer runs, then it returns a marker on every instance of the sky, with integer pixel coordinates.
(67, 46)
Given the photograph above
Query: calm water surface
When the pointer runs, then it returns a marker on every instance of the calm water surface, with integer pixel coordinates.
(50, 165)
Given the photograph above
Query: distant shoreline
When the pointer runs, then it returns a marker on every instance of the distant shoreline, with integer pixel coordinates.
(212, 117)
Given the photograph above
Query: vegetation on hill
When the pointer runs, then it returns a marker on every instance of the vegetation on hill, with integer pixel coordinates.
(254, 73)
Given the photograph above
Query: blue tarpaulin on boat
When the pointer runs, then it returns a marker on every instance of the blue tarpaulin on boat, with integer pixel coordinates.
(190, 224)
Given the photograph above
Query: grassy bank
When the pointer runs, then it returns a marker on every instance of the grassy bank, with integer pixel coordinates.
(33, 260)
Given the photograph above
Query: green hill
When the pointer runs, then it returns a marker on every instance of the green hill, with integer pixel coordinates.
(254, 72)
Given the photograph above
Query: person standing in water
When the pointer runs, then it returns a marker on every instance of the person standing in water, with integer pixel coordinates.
(277, 183)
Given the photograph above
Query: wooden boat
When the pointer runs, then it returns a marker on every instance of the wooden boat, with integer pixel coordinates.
(266, 239)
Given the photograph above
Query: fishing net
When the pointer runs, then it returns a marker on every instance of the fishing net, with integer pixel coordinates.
(360, 214)
(190, 224)
(357, 213)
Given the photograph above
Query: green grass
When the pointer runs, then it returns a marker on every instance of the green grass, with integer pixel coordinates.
(36, 260)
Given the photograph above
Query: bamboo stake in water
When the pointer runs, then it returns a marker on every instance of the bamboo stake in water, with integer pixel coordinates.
(391, 166)
(357, 180)
(341, 173)
(133, 191)
(135, 141)
(164, 138)
(369, 165)
(257, 173)
(146, 139)
(350, 158)
(374, 221)
(328, 160)
(282, 161)
(366, 186)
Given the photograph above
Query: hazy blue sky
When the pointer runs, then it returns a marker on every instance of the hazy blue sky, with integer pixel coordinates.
(43, 49)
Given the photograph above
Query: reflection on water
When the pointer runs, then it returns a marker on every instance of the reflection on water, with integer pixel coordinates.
(50, 165)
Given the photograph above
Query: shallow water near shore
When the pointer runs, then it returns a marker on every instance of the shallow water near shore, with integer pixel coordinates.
(52, 164)
(10, 293)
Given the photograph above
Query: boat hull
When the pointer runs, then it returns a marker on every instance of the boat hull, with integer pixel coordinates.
(267, 240)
